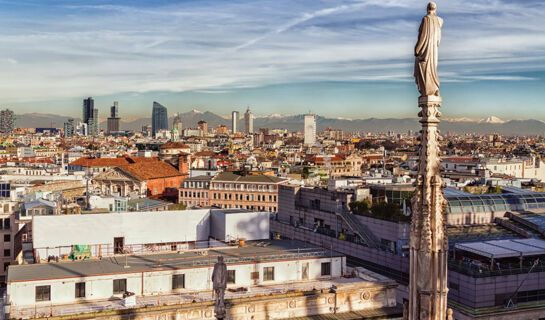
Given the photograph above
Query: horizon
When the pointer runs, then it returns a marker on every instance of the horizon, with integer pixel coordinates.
(350, 59)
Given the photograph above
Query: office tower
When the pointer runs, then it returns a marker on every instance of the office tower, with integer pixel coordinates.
(159, 118)
(7, 121)
(177, 123)
(234, 121)
(113, 120)
(310, 129)
(93, 123)
(203, 126)
(88, 106)
(248, 122)
(69, 128)
(90, 116)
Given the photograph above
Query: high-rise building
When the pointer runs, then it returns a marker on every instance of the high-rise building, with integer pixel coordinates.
(113, 120)
(310, 129)
(234, 121)
(7, 121)
(93, 123)
(203, 126)
(159, 118)
(177, 123)
(69, 128)
(88, 106)
(248, 121)
(90, 116)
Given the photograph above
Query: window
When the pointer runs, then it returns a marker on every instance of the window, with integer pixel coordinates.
(6, 265)
(120, 286)
(7, 238)
(178, 281)
(326, 268)
(268, 274)
(7, 252)
(80, 290)
(254, 276)
(231, 276)
(43, 293)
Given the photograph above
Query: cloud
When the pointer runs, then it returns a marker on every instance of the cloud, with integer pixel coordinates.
(72, 50)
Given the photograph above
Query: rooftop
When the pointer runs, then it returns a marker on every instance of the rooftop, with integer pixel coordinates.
(229, 176)
(265, 250)
(150, 170)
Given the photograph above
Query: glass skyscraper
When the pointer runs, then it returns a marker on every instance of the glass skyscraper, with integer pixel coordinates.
(159, 118)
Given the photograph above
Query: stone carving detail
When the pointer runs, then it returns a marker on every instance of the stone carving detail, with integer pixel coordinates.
(428, 239)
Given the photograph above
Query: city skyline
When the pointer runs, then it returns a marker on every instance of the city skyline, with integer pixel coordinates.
(333, 58)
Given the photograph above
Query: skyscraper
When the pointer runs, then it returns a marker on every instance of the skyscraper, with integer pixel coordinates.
(159, 118)
(90, 116)
(248, 121)
(310, 129)
(7, 121)
(69, 128)
(234, 121)
(113, 120)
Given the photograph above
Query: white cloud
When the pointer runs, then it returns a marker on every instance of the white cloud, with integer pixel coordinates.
(105, 49)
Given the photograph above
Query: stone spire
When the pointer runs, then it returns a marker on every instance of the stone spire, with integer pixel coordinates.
(428, 238)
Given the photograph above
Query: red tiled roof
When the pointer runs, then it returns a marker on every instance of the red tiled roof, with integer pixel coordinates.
(174, 145)
(148, 170)
(100, 162)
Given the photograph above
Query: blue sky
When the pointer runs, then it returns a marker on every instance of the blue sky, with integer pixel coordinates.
(349, 59)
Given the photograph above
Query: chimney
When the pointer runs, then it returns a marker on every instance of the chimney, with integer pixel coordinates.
(184, 159)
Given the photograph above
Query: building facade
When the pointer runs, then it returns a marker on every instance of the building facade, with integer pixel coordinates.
(69, 128)
(248, 122)
(234, 122)
(196, 191)
(113, 120)
(245, 191)
(310, 130)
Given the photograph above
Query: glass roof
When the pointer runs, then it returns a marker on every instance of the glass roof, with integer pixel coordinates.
(495, 202)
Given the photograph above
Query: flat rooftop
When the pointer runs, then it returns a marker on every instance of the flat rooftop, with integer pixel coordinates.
(266, 250)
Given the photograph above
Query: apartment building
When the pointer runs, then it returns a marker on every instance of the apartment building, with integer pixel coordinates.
(245, 191)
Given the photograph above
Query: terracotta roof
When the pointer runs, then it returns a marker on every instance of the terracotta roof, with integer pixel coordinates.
(205, 153)
(150, 170)
(174, 145)
(100, 162)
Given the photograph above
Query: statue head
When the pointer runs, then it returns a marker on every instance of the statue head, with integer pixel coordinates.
(432, 7)
(220, 258)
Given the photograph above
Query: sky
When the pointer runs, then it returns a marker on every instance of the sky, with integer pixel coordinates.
(348, 59)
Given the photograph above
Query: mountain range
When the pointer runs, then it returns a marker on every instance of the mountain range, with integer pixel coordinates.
(490, 125)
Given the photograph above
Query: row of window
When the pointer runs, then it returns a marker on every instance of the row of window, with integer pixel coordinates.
(43, 293)
(191, 194)
(249, 207)
(198, 185)
(244, 197)
(237, 186)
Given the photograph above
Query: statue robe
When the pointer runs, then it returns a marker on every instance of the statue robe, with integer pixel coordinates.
(426, 52)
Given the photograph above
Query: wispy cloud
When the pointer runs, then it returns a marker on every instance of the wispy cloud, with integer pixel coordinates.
(68, 50)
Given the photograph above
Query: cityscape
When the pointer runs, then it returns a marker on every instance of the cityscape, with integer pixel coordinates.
(253, 197)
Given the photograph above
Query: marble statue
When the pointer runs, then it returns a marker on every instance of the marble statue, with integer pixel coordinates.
(219, 282)
(426, 52)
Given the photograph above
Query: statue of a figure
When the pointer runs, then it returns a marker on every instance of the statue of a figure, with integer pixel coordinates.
(219, 282)
(426, 51)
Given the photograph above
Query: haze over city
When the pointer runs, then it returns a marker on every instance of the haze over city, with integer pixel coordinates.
(336, 58)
